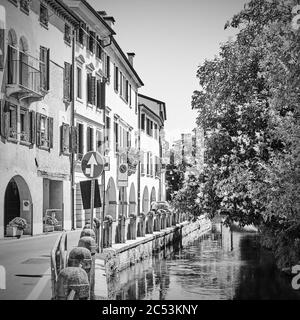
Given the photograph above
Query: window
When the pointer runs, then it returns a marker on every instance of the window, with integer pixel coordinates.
(143, 121)
(67, 36)
(92, 41)
(80, 145)
(24, 5)
(142, 162)
(79, 79)
(98, 48)
(148, 163)
(44, 131)
(107, 67)
(151, 165)
(136, 102)
(130, 95)
(101, 90)
(107, 135)
(121, 84)
(116, 132)
(80, 35)
(116, 79)
(126, 90)
(12, 121)
(67, 81)
(91, 89)
(65, 139)
(90, 139)
(44, 18)
(44, 68)
(148, 129)
(100, 142)
(155, 131)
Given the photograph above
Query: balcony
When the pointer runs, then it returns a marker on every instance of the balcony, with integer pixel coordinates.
(24, 79)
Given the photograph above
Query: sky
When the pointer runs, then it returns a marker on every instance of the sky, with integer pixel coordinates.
(171, 38)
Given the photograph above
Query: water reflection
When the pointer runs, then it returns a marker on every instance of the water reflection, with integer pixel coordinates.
(218, 265)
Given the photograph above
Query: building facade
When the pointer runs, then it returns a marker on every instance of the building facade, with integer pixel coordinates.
(36, 58)
(152, 113)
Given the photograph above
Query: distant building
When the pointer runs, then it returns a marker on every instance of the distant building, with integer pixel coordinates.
(152, 182)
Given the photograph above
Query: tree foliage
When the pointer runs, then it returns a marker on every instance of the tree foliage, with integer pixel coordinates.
(248, 105)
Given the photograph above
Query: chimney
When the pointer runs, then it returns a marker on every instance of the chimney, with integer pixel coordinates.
(130, 56)
(109, 20)
(102, 13)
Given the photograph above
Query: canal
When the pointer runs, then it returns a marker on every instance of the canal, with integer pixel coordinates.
(220, 265)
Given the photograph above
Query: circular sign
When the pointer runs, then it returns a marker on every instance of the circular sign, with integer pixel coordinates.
(92, 164)
(123, 168)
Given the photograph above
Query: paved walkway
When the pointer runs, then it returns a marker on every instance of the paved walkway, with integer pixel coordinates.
(27, 265)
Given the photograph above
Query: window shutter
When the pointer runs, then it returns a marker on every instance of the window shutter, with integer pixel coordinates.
(98, 94)
(38, 129)
(103, 94)
(32, 127)
(89, 85)
(48, 69)
(2, 119)
(108, 67)
(88, 139)
(50, 132)
(93, 90)
(73, 139)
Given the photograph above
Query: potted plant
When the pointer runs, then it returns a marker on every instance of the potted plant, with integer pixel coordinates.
(50, 223)
(16, 227)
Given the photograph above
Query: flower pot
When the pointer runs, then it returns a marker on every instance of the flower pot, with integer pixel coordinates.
(48, 228)
(13, 231)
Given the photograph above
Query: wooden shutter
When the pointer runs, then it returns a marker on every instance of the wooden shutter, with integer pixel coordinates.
(64, 138)
(50, 132)
(89, 85)
(32, 127)
(103, 94)
(98, 94)
(38, 129)
(93, 90)
(3, 119)
(73, 143)
(108, 67)
(88, 139)
(48, 70)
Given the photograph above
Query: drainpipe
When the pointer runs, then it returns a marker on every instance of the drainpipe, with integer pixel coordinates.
(139, 164)
(72, 125)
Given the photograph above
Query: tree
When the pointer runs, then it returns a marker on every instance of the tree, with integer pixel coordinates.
(248, 105)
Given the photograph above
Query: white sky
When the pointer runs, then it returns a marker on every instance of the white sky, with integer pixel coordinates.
(170, 39)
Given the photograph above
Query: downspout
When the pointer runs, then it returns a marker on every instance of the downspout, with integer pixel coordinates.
(72, 125)
(139, 164)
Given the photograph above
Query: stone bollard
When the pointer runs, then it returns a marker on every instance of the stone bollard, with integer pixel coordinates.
(120, 232)
(107, 231)
(156, 221)
(90, 244)
(163, 219)
(131, 232)
(88, 233)
(141, 225)
(149, 222)
(81, 257)
(72, 278)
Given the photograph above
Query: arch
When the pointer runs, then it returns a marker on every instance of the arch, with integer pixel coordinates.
(125, 205)
(23, 44)
(111, 199)
(12, 38)
(153, 195)
(145, 201)
(132, 200)
(18, 202)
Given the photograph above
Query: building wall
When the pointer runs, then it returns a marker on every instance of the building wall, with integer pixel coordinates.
(34, 164)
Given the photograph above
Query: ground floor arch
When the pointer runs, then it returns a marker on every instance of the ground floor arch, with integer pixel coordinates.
(18, 202)
(145, 200)
(123, 204)
(132, 200)
(111, 199)
(153, 195)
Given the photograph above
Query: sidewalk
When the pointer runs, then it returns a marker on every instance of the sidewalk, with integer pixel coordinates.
(27, 264)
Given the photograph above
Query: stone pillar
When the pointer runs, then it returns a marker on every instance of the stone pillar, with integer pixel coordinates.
(141, 225)
(149, 222)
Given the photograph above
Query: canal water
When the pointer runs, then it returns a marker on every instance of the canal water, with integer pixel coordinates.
(220, 265)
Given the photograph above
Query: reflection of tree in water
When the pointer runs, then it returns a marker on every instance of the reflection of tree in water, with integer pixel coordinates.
(260, 279)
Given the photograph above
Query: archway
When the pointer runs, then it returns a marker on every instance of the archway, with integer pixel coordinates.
(111, 199)
(153, 195)
(145, 203)
(123, 204)
(18, 203)
(132, 201)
